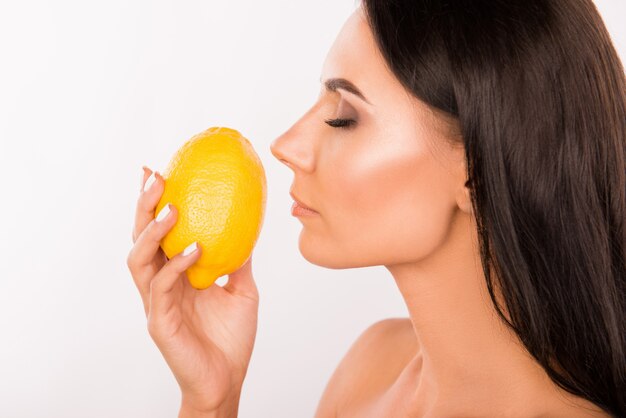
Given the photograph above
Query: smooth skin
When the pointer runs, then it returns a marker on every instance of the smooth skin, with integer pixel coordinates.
(390, 190)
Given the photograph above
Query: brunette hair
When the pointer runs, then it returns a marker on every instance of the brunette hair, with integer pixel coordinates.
(540, 96)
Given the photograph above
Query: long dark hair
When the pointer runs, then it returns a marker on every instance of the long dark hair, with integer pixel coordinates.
(540, 95)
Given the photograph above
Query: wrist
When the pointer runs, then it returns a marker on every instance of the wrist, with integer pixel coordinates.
(227, 409)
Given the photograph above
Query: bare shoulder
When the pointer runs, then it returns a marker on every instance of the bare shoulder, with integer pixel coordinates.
(370, 366)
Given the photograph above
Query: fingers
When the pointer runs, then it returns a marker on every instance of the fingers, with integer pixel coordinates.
(241, 282)
(149, 197)
(161, 295)
(146, 259)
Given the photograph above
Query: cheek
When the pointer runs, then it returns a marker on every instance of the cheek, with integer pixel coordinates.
(389, 204)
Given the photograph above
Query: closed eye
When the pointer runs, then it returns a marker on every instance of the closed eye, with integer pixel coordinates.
(340, 123)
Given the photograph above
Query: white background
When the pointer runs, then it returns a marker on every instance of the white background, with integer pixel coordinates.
(91, 91)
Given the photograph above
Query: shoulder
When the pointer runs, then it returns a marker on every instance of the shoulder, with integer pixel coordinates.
(371, 364)
(393, 336)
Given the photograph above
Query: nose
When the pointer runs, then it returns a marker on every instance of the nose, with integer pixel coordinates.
(295, 148)
(277, 150)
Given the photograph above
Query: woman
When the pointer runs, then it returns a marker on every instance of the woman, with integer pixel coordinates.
(477, 150)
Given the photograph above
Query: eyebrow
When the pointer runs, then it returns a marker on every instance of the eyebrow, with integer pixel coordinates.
(333, 84)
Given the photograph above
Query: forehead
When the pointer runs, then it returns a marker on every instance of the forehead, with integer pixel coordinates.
(355, 56)
(352, 52)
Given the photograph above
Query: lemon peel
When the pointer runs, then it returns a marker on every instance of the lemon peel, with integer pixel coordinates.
(217, 183)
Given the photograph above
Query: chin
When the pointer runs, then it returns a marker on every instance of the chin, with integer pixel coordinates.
(324, 254)
(317, 255)
(321, 254)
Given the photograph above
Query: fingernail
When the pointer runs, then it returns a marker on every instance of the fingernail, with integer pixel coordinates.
(143, 173)
(190, 249)
(163, 213)
(149, 182)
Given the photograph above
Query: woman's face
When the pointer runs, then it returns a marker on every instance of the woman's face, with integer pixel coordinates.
(388, 187)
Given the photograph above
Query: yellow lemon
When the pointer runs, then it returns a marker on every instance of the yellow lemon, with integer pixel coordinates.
(217, 183)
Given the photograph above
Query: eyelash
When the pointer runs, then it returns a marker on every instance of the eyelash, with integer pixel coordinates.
(340, 123)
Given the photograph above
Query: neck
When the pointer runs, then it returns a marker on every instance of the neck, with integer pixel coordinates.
(467, 354)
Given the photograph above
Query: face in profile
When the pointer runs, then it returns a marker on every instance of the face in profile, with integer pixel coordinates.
(389, 185)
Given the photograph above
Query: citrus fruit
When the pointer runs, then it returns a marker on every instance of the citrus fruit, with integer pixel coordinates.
(217, 183)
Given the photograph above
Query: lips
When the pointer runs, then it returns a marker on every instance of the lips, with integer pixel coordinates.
(300, 203)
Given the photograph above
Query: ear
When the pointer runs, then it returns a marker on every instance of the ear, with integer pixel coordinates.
(463, 198)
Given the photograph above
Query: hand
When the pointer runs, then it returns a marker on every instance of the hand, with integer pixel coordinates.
(206, 336)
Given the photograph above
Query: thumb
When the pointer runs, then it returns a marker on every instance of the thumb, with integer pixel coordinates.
(241, 282)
